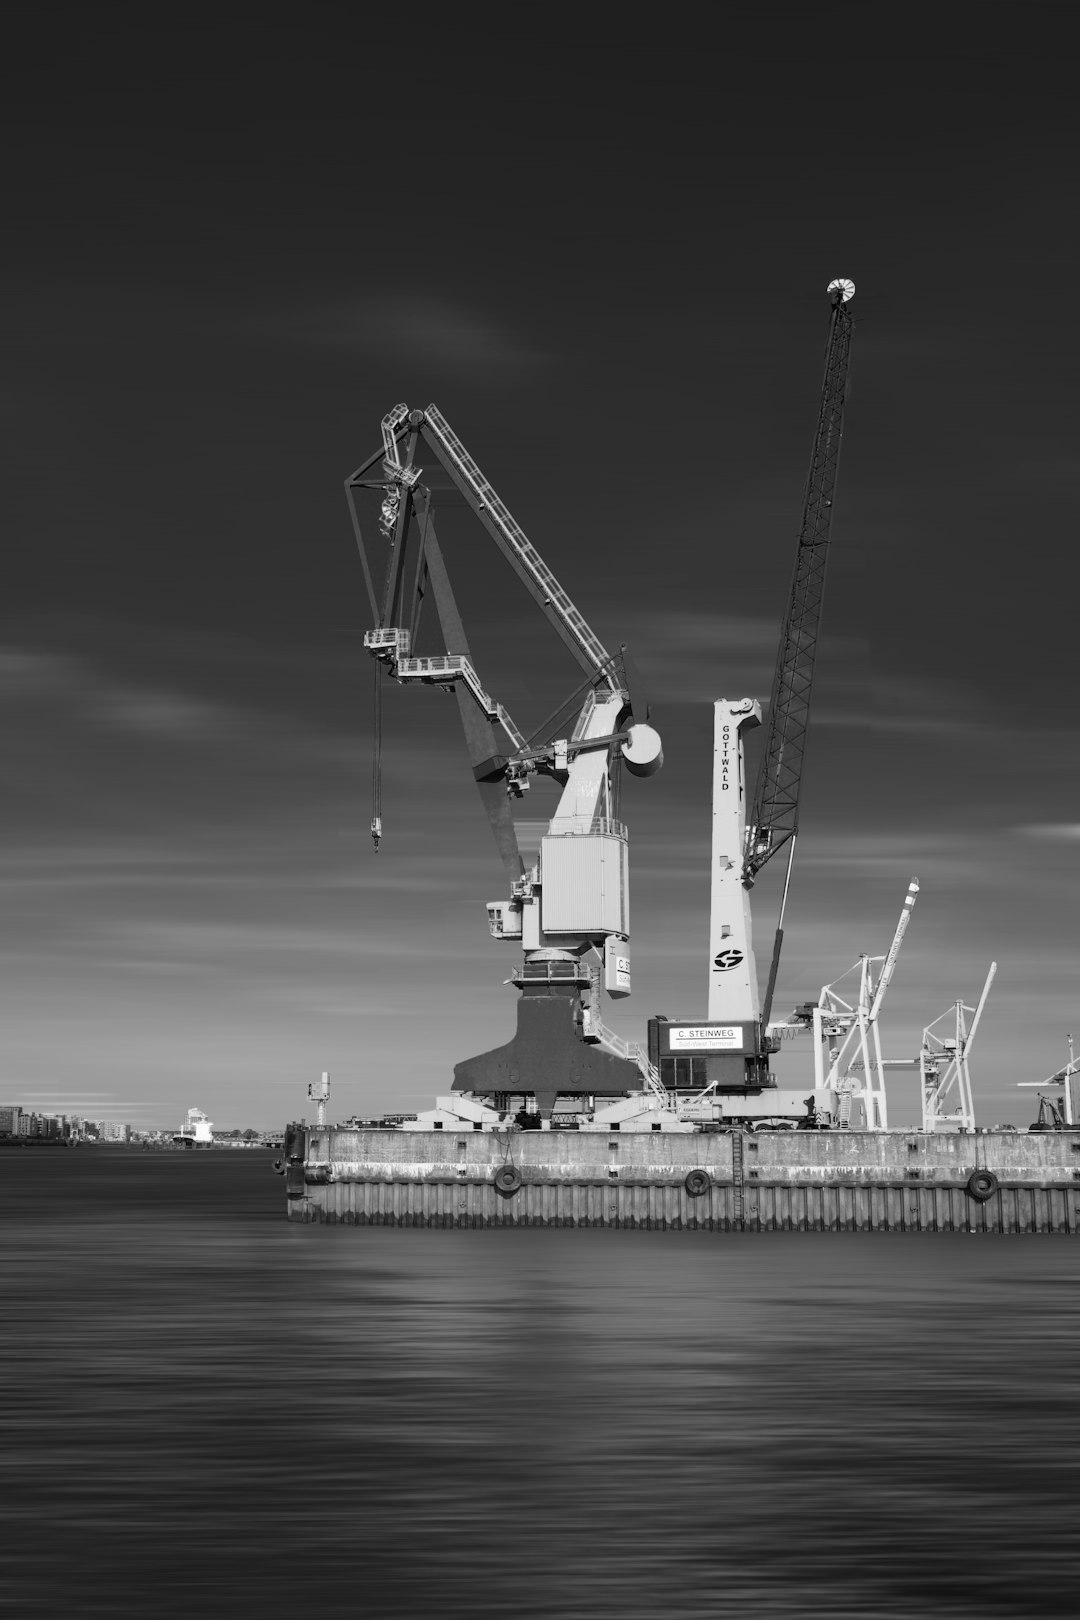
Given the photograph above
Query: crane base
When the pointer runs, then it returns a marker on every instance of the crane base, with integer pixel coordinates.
(547, 1057)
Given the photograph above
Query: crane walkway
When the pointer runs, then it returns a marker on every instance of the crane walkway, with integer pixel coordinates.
(444, 669)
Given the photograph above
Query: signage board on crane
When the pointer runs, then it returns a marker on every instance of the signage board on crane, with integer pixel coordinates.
(685, 1037)
(617, 965)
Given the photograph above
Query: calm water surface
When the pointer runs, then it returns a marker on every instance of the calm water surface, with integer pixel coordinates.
(205, 1409)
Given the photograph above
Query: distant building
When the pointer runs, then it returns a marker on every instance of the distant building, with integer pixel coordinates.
(16, 1121)
(196, 1128)
(111, 1130)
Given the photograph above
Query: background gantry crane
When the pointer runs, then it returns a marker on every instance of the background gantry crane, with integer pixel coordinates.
(1055, 1114)
(847, 1041)
(943, 1064)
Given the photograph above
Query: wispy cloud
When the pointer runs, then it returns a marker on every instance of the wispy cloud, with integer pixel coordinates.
(689, 656)
(408, 327)
(905, 703)
(29, 675)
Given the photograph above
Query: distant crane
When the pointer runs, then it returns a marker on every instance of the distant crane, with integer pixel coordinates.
(943, 1064)
(841, 1027)
(1062, 1114)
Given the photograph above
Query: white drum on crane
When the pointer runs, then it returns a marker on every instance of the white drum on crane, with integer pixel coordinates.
(643, 751)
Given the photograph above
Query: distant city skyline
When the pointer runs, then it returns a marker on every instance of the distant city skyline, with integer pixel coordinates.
(609, 271)
(19, 1124)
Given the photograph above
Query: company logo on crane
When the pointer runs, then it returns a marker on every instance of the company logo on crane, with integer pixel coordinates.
(726, 960)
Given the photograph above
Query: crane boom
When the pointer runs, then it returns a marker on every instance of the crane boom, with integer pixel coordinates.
(743, 842)
(774, 817)
(894, 949)
(514, 542)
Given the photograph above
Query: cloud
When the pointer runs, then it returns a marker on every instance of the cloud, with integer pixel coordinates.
(1058, 832)
(24, 673)
(115, 705)
(690, 657)
(84, 1098)
(413, 328)
(218, 940)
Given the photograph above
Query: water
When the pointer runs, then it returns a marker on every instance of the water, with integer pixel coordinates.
(205, 1409)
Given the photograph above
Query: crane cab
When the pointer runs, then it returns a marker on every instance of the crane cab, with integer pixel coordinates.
(692, 1056)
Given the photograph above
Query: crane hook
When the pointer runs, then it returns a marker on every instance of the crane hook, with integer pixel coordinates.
(376, 761)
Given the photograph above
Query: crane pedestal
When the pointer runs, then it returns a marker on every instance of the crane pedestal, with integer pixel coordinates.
(547, 1055)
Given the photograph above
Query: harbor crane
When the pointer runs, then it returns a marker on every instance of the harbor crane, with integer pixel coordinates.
(573, 902)
(944, 1076)
(1055, 1115)
(847, 1042)
(731, 1050)
(943, 1064)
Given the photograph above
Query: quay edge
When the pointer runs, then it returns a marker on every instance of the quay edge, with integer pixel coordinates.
(806, 1181)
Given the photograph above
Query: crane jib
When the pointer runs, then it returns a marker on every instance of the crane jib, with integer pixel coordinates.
(774, 817)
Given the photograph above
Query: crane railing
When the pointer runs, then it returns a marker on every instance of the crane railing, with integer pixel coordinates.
(633, 1052)
(393, 646)
(450, 667)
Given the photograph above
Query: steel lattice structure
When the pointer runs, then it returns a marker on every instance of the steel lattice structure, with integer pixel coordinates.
(774, 817)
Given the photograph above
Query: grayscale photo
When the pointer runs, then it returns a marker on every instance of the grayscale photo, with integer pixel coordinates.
(541, 813)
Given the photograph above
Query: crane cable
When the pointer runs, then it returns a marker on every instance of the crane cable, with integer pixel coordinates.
(376, 760)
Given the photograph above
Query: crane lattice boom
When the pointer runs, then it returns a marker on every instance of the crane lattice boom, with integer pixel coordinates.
(774, 816)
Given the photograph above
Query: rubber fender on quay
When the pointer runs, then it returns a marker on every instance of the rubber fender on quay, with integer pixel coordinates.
(982, 1184)
(507, 1180)
(697, 1183)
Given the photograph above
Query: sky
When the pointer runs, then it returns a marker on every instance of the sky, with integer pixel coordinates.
(602, 249)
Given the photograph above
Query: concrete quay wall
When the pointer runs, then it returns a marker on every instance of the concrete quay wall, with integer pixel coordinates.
(1033, 1159)
(759, 1181)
